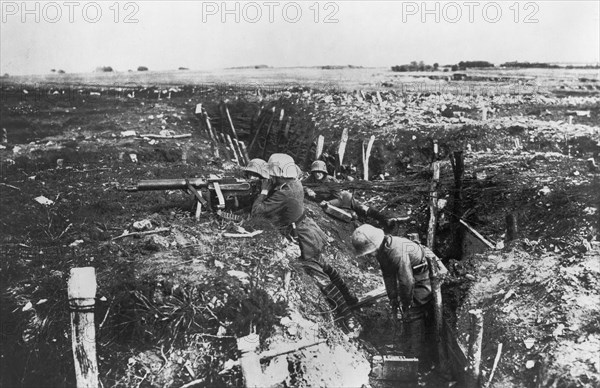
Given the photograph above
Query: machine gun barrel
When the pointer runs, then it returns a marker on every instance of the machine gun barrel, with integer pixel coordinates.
(169, 184)
(183, 184)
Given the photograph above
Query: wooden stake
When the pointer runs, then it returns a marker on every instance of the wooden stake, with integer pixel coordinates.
(232, 147)
(475, 348)
(433, 205)
(458, 167)
(512, 230)
(244, 158)
(264, 151)
(366, 156)
(496, 360)
(478, 235)
(342, 147)
(81, 290)
(438, 311)
(320, 144)
(258, 128)
(250, 361)
(213, 136)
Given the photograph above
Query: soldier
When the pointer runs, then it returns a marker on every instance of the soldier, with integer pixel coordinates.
(342, 198)
(256, 169)
(406, 276)
(282, 202)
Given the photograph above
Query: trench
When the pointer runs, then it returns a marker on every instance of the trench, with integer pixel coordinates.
(288, 127)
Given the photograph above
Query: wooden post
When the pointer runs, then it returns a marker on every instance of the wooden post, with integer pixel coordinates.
(433, 275)
(458, 167)
(475, 341)
(250, 361)
(438, 311)
(230, 142)
(320, 144)
(512, 230)
(81, 290)
(264, 150)
(243, 157)
(433, 205)
(366, 156)
(258, 128)
(212, 134)
(342, 147)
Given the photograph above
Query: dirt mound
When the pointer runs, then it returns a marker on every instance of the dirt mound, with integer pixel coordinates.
(536, 308)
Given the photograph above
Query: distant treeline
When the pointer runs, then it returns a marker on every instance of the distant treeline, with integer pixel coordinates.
(464, 65)
(416, 66)
(543, 65)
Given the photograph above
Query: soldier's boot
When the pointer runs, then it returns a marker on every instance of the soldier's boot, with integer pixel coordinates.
(344, 317)
(341, 285)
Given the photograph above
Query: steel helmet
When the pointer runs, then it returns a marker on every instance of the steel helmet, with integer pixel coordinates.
(318, 165)
(283, 166)
(258, 166)
(367, 239)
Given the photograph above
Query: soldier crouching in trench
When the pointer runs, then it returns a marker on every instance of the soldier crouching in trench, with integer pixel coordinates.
(282, 202)
(342, 198)
(406, 276)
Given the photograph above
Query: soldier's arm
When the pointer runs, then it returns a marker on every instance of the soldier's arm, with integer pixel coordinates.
(405, 279)
(389, 279)
(268, 205)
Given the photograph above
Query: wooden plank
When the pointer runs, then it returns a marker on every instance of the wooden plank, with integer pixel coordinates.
(478, 235)
(320, 145)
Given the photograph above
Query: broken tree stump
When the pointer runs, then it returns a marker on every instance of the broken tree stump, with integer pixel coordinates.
(81, 290)
(475, 341)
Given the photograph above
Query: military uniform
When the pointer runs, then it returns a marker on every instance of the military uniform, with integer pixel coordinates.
(336, 197)
(406, 277)
(284, 206)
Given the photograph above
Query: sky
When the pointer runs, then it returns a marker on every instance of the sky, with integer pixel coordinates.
(78, 36)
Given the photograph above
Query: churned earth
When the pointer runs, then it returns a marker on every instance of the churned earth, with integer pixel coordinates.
(171, 303)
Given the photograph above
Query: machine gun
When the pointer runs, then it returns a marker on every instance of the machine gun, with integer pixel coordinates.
(224, 190)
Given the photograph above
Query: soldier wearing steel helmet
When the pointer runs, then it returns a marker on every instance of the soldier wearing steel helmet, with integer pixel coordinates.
(256, 169)
(405, 273)
(282, 202)
(341, 198)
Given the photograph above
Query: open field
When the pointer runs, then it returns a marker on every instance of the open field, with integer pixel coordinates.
(342, 79)
(170, 305)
